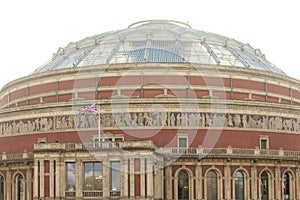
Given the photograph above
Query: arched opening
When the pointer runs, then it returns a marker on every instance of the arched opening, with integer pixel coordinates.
(2, 187)
(286, 186)
(239, 186)
(212, 185)
(264, 186)
(20, 187)
(183, 185)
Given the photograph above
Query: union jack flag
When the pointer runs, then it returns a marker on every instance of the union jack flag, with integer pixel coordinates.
(88, 109)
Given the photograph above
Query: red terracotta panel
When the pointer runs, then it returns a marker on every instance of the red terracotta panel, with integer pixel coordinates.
(85, 83)
(240, 96)
(132, 93)
(108, 81)
(87, 95)
(152, 93)
(49, 99)
(199, 93)
(178, 93)
(34, 101)
(4, 100)
(248, 84)
(46, 186)
(137, 185)
(65, 97)
(284, 101)
(258, 97)
(128, 80)
(37, 89)
(296, 94)
(105, 94)
(272, 99)
(209, 81)
(18, 94)
(66, 85)
(165, 80)
(221, 94)
(278, 89)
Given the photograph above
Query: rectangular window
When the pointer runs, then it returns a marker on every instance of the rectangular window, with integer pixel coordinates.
(93, 176)
(182, 142)
(115, 178)
(71, 177)
(264, 144)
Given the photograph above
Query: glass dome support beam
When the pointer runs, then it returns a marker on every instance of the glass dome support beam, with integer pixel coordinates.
(211, 52)
(237, 56)
(113, 52)
(84, 55)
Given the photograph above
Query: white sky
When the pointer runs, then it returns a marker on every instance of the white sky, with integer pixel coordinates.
(32, 30)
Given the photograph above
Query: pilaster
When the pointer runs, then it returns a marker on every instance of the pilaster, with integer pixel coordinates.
(253, 179)
(131, 163)
(149, 172)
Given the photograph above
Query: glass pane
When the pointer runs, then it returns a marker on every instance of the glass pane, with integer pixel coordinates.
(115, 176)
(239, 186)
(212, 186)
(182, 142)
(93, 176)
(183, 185)
(98, 176)
(71, 177)
(286, 186)
(263, 144)
(88, 176)
(264, 186)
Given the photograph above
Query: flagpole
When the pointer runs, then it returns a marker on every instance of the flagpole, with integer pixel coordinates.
(99, 137)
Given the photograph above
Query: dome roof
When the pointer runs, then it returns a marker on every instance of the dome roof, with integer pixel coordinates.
(158, 41)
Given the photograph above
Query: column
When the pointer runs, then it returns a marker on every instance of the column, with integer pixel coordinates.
(124, 177)
(168, 177)
(277, 182)
(297, 183)
(36, 179)
(142, 177)
(198, 181)
(42, 177)
(227, 179)
(51, 177)
(131, 163)
(106, 178)
(8, 184)
(159, 183)
(253, 179)
(59, 185)
(79, 178)
(28, 183)
(149, 172)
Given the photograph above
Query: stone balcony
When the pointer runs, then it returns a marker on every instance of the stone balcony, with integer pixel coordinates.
(192, 152)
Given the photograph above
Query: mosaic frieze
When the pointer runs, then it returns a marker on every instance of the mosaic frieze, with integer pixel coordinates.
(149, 120)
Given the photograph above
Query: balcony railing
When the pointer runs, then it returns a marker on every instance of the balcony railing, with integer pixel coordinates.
(20, 156)
(166, 151)
(229, 152)
(92, 193)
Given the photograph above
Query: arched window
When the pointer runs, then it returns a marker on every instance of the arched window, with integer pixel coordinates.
(212, 185)
(183, 185)
(20, 187)
(1, 187)
(286, 186)
(239, 186)
(264, 186)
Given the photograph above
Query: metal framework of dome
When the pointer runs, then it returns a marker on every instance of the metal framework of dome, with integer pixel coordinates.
(158, 41)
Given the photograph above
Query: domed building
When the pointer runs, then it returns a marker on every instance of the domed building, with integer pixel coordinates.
(158, 110)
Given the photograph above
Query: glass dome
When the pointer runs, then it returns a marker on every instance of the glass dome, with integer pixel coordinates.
(158, 41)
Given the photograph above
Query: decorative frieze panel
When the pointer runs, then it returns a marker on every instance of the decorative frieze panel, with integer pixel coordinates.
(159, 120)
